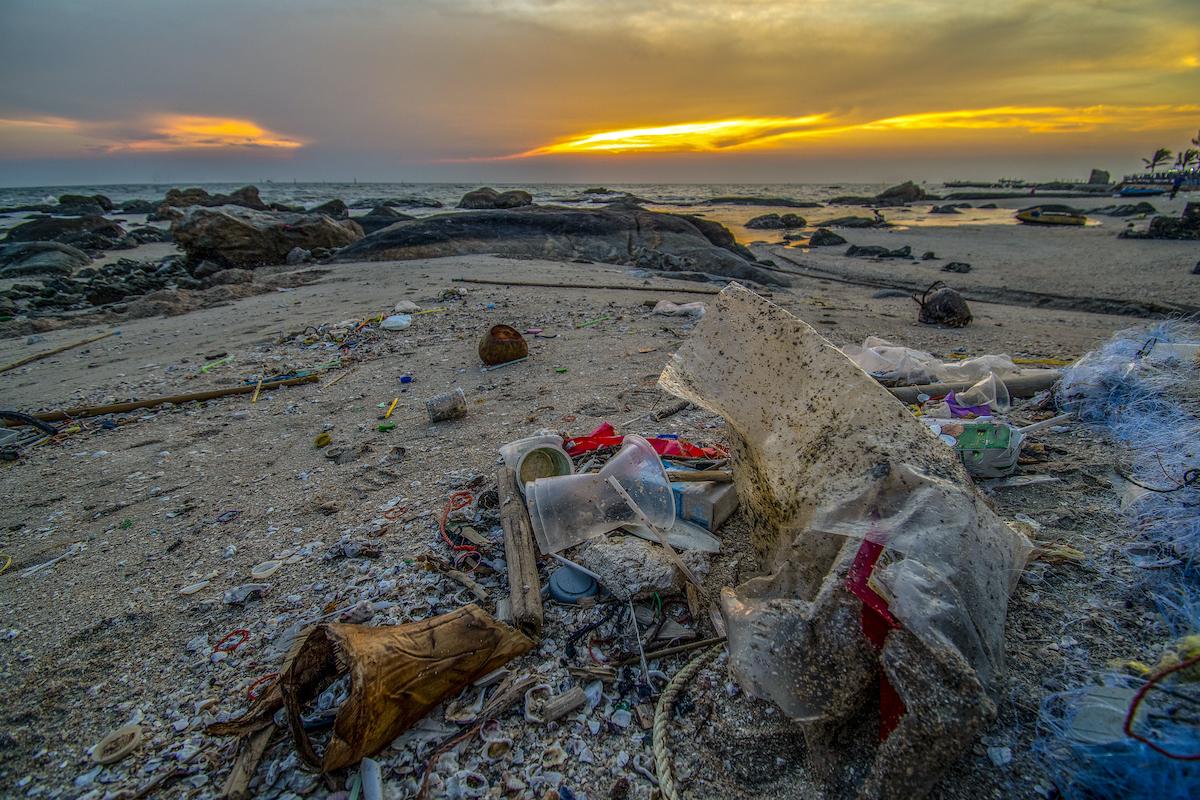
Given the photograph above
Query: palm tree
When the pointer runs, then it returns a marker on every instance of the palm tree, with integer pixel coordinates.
(1187, 158)
(1196, 139)
(1160, 156)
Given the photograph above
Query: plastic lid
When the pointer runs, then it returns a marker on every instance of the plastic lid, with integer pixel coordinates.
(569, 585)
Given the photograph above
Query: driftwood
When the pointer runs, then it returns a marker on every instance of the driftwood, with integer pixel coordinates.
(121, 408)
(39, 356)
(560, 705)
(524, 586)
(1021, 386)
(237, 785)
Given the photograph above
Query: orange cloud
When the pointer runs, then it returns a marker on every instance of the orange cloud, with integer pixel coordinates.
(147, 133)
(780, 132)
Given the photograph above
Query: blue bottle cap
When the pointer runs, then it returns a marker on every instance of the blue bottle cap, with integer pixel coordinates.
(569, 585)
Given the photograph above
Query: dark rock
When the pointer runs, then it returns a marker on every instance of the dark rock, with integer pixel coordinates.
(946, 209)
(598, 190)
(487, 197)
(397, 202)
(87, 233)
(293, 209)
(247, 197)
(40, 258)
(766, 222)
(241, 237)
(205, 269)
(907, 192)
(856, 222)
(989, 205)
(1187, 227)
(823, 237)
(613, 235)
(851, 200)
(297, 255)
(1196, 269)
(100, 293)
(1099, 176)
(740, 200)
(86, 200)
(875, 251)
(231, 276)
(139, 207)
(928, 255)
(148, 234)
(379, 218)
(886, 293)
(334, 209)
(941, 305)
(1126, 210)
(718, 235)
(957, 266)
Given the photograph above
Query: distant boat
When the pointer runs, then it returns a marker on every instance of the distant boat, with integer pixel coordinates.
(1141, 191)
(1051, 215)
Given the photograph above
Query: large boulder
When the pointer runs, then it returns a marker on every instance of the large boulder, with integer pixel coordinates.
(138, 207)
(823, 237)
(89, 232)
(247, 197)
(487, 197)
(855, 222)
(776, 222)
(40, 258)
(232, 236)
(379, 218)
(907, 192)
(616, 234)
(86, 200)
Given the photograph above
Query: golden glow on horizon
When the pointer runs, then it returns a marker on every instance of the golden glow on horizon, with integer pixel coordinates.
(780, 132)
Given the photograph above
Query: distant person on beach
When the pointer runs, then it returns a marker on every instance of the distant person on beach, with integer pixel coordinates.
(1175, 184)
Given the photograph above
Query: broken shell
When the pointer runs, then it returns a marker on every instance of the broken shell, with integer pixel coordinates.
(496, 749)
(247, 591)
(118, 744)
(464, 708)
(265, 570)
(195, 587)
(535, 701)
(554, 756)
(467, 784)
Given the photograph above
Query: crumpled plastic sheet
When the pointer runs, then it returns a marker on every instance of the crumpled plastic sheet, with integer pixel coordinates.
(907, 367)
(821, 450)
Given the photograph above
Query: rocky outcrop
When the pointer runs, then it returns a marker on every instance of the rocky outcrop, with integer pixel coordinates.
(247, 197)
(1187, 227)
(616, 234)
(488, 197)
(379, 218)
(776, 222)
(86, 200)
(139, 207)
(718, 235)
(907, 192)
(396, 202)
(856, 222)
(232, 236)
(89, 232)
(334, 209)
(875, 251)
(740, 200)
(40, 258)
(823, 237)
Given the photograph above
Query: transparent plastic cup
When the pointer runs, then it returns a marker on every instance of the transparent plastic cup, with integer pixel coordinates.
(570, 509)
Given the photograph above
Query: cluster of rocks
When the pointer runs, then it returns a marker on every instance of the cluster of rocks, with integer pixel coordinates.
(823, 237)
(876, 251)
(396, 202)
(488, 198)
(87, 232)
(379, 218)
(776, 222)
(244, 238)
(900, 195)
(1186, 227)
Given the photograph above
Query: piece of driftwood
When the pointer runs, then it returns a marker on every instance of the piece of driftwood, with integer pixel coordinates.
(686, 476)
(1021, 386)
(121, 408)
(670, 651)
(39, 356)
(237, 785)
(667, 289)
(560, 705)
(671, 410)
(524, 586)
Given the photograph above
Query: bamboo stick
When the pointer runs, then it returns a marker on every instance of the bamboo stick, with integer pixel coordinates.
(39, 356)
(1020, 386)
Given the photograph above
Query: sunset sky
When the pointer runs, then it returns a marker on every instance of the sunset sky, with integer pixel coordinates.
(590, 90)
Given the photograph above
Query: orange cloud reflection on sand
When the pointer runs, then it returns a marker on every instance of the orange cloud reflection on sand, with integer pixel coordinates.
(778, 132)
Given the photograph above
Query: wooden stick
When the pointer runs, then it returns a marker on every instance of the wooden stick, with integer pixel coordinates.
(253, 746)
(683, 290)
(685, 475)
(524, 586)
(671, 410)
(1021, 386)
(121, 408)
(38, 356)
(670, 651)
(560, 705)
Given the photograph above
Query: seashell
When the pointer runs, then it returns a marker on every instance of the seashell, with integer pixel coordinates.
(465, 783)
(496, 749)
(535, 703)
(461, 710)
(502, 344)
(265, 570)
(195, 587)
(554, 756)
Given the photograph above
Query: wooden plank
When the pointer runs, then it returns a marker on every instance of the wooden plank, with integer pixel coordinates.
(524, 585)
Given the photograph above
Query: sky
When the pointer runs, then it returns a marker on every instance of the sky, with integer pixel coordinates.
(647, 91)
